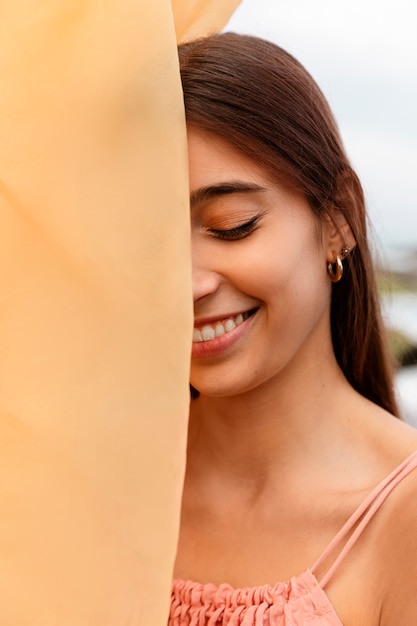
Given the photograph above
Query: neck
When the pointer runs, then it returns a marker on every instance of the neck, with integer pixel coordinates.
(281, 424)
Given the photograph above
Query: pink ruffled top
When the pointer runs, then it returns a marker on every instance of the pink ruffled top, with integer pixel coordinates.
(300, 601)
(284, 604)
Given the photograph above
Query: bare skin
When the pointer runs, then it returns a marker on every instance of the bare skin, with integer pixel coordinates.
(281, 449)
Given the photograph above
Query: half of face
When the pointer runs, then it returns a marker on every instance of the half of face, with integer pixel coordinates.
(261, 290)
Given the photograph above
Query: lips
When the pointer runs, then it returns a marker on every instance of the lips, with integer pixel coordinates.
(213, 338)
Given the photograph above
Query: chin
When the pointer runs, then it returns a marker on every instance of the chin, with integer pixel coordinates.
(223, 389)
(213, 391)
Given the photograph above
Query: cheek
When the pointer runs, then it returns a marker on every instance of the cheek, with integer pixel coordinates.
(280, 269)
(295, 290)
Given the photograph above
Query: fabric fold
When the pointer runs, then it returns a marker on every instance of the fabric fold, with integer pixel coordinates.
(197, 18)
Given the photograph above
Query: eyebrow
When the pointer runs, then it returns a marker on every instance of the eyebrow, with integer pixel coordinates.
(222, 189)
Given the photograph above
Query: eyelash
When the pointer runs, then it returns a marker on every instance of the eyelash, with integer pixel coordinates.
(239, 232)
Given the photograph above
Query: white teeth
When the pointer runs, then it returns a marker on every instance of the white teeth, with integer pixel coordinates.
(208, 332)
(219, 330)
(230, 325)
(197, 335)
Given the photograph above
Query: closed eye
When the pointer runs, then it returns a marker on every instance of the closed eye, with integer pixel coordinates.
(238, 232)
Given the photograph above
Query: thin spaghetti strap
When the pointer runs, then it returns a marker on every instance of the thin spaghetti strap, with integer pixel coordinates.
(366, 511)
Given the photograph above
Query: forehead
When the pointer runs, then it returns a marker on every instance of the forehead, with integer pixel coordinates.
(213, 160)
(217, 170)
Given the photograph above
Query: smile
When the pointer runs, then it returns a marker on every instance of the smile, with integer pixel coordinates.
(216, 329)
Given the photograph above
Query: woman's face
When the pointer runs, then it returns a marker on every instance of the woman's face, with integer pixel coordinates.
(261, 290)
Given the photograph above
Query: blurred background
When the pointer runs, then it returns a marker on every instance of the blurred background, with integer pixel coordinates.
(363, 54)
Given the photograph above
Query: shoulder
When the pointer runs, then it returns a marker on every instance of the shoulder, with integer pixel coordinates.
(397, 551)
(392, 536)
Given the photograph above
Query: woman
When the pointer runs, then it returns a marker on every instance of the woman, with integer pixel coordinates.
(297, 469)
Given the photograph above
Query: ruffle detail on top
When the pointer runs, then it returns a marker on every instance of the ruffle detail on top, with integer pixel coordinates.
(299, 602)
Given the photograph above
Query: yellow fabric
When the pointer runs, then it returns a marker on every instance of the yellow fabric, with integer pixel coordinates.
(196, 18)
(95, 307)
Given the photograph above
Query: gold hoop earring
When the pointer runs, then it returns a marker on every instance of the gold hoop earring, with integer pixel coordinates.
(335, 270)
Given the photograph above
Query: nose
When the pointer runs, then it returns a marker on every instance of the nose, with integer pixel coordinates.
(206, 279)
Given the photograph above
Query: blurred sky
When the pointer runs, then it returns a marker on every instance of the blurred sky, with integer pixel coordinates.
(363, 54)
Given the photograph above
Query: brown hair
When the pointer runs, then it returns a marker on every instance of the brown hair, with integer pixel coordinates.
(261, 100)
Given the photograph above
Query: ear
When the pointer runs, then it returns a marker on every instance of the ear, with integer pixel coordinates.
(338, 239)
